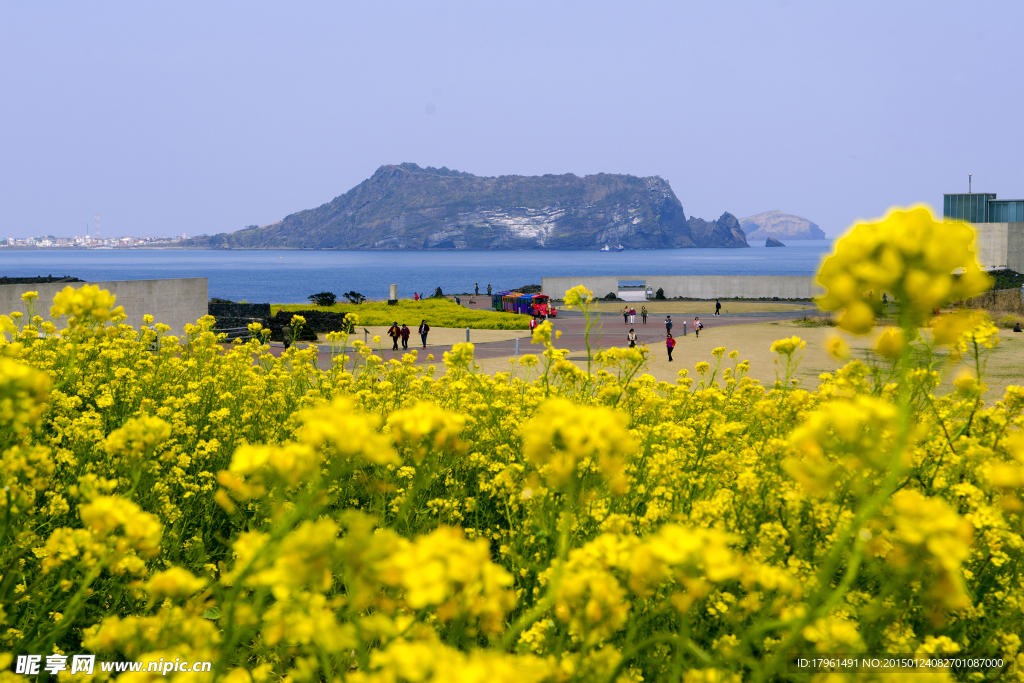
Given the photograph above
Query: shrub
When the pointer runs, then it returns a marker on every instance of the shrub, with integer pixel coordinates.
(353, 297)
(815, 321)
(327, 298)
(660, 294)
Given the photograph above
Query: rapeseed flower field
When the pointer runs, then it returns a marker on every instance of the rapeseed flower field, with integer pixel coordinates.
(385, 522)
(439, 312)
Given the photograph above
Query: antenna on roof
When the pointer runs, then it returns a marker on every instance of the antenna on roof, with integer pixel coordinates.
(968, 183)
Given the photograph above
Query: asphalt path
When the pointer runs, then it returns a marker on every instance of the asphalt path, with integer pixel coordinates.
(609, 332)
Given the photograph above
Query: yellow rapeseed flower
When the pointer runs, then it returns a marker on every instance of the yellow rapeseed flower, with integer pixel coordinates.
(578, 296)
(890, 343)
(909, 254)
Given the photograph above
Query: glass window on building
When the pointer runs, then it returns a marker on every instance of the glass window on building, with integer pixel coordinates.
(973, 208)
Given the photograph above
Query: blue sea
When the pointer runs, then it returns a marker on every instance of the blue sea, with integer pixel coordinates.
(288, 276)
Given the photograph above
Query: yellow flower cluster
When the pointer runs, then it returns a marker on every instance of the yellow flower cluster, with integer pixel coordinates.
(86, 305)
(380, 522)
(909, 255)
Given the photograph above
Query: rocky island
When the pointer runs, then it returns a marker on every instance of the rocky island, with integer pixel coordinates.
(778, 225)
(408, 207)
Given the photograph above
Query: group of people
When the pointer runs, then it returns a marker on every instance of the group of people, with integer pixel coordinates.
(629, 315)
(403, 333)
(670, 341)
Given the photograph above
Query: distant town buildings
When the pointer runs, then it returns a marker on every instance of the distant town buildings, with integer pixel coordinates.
(87, 242)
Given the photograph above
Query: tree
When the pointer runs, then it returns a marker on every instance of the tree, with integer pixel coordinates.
(660, 294)
(354, 297)
(323, 298)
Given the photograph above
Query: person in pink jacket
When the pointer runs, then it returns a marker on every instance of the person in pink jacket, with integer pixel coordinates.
(670, 343)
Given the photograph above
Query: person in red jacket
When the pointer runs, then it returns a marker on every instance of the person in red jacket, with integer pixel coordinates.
(670, 343)
(405, 336)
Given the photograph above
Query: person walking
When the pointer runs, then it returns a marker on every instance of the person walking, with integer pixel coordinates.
(697, 326)
(488, 290)
(286, 334)
(405, 336)
(424, 328)
(668, 324)
(625, 315)
(718, 307)
(476, 288)
(395, 333)
(458, 301)
(415, 296)
(632, 315)
(670, 343)
(533, 323)
(632, 338)
(643, 314)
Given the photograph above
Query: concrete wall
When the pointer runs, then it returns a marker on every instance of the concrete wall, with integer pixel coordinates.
(175, 302)
(696, 286)
(1000, 245)
(991, 244)
(1015, 246)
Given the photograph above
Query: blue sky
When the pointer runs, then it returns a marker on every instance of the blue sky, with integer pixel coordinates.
(206, 117)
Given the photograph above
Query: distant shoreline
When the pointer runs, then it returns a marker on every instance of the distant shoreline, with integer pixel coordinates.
(237, 249)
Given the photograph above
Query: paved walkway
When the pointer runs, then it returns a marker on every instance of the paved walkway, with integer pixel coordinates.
(611, 332)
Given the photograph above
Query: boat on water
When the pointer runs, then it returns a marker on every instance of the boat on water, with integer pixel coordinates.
(618, 248)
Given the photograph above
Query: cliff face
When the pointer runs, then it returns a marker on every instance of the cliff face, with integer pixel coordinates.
(408, 207)
(725, 232)
(780, 226)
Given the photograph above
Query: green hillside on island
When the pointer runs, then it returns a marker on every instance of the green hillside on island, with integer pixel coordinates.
(409, 207)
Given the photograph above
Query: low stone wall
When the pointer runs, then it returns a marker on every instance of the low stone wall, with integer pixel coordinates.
(789, 287)
(175, 302)
(37, 280)
(316, 321)
(239, 310)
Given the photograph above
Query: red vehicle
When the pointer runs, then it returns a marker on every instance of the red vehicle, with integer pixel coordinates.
(541, 305)
(526, 304)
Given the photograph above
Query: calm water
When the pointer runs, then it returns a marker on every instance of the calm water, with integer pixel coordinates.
(291, 276)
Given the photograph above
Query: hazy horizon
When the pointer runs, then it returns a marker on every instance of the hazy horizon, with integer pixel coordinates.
(202, 118)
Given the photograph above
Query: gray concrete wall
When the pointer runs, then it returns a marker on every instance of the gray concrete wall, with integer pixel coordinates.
(696, 286)
(992, 244)
(175, 302)
(1015, 247)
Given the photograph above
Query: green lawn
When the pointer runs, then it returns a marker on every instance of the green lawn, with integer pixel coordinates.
(437, 313)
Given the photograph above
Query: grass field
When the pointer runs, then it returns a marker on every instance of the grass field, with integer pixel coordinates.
(437, 313)
(439, 337)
